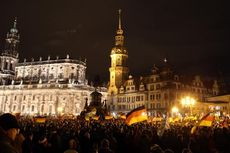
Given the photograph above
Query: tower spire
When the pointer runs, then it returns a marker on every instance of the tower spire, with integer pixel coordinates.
(119, 25)
(14, 29)
(119, 38)
(119, 30)
(12, 40)
(15, 22)
(118, 70)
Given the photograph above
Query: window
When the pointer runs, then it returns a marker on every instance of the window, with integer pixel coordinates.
(151, 87)
(51, 76)
(133, 99)
(151, 80)
(118, 61)
(14, 107)
(15, 97)
(142, 98)
(24, 97)
(60, 75)
(166, 96)
(23, 108)
(124, 99)
(11, 66)
(42, 108)
(32, 108)
(158, 105)
(158, 96)
(50, 109)
(158, 86)
(71, 75)
(137, 98)
(124, 107)
(152, 97)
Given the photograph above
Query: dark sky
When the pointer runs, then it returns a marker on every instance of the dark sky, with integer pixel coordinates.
(194, 35)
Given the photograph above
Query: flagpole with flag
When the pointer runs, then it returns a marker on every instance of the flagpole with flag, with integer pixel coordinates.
(136, 115)
(206, 120)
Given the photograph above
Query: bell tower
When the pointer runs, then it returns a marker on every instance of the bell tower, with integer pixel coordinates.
(9, 56)
(118, 69)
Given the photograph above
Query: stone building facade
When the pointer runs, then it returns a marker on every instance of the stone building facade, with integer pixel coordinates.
(158, 91)
(43, 87)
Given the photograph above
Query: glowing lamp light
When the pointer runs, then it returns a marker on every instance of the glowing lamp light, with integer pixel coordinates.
(59, 109)
(144, 114)
(114, 114)
(188, 101)
(175, 109)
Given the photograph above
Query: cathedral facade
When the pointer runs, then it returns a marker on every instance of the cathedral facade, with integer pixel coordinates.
(158, 91)
(42, 87)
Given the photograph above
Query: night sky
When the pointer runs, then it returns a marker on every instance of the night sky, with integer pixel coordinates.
(193, 35)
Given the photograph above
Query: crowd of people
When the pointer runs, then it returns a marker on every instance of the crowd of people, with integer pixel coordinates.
(76, 135)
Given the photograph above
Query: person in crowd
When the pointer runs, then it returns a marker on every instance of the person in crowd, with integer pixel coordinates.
(105, 147)
(168, 151)
(27, 145)
(72, 146)
(109, 136)
(156, 149)
(43, 145)
(9, 128)
(185, 150)
(19, 141)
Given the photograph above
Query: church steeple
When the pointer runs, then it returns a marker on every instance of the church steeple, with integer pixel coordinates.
(12, 41)
(9, 57)
(119, 31)
(119, 38)
(118, 70)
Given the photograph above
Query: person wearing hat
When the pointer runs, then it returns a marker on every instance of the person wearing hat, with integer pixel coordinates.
(9, 129)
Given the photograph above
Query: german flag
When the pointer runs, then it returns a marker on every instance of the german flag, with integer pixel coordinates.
(123, 117)
(206, 120)
(108, 117)
(39, 119)
(136, 115)
(95, 118)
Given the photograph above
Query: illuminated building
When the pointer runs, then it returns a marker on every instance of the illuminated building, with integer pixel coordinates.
(118, 70)
(43, 87)
(158, 91)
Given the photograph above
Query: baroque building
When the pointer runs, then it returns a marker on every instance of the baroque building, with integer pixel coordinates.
(43, 87)
(158, 91)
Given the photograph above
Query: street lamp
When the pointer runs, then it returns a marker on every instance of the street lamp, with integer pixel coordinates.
(188, 102)
(174, 110)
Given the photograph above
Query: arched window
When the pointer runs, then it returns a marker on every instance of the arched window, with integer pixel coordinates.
(50, 109)
(42, 108)
(14, 108)
(23, 108)
(32, 108)
(11, 66)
